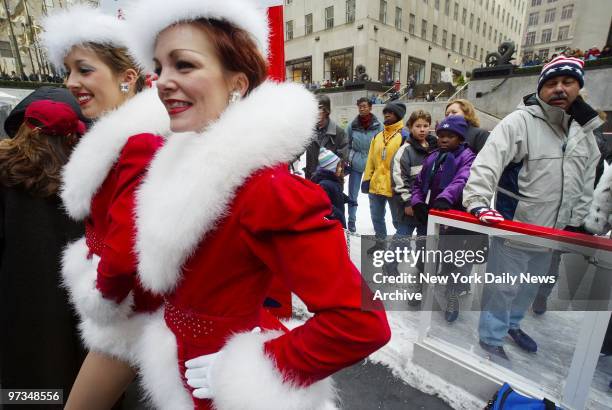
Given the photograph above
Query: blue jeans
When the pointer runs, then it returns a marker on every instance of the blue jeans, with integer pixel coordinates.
(406, 229)
(378, 205)
(504, 305)
(353, 188)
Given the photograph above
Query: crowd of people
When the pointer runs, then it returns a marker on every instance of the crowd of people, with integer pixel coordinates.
(32, 77)
(541, 163)
(144, 221)
(593, 53)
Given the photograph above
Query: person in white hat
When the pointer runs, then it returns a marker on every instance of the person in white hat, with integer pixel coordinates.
(98, 186)
(219, 216)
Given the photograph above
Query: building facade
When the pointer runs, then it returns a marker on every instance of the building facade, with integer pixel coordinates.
(552, 26)
(395, 39)
(20, 52)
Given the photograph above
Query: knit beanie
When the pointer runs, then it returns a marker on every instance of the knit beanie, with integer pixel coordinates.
(328, 160)
(562, 65)
(455, 124)
(324, 103)
(397, 108)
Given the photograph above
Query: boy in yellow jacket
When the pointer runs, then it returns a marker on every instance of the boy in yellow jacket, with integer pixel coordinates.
(377, 176)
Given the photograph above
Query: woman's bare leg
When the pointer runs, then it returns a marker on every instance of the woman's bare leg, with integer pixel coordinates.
(100, 382)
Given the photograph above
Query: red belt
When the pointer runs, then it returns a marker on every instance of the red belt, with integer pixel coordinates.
(93, 241)
(207, 333)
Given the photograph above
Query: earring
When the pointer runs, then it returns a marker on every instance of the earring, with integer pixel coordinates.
(235, 96)
(125, 87)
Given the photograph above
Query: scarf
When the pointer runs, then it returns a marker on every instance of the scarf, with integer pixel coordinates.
(444, 162)
(366, 121)
(391, 130)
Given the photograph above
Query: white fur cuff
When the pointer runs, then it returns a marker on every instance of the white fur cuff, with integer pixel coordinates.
(79, 277)
(243, 376)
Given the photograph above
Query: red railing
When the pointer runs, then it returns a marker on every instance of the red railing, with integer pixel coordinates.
(560, 235)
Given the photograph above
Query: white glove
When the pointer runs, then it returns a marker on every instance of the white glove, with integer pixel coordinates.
(199, 373)
(488, 216)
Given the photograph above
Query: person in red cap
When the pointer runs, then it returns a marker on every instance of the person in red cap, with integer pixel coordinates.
(33, 230)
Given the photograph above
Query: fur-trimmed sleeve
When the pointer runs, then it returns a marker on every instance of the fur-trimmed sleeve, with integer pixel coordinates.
(117, 267)
(287, 229)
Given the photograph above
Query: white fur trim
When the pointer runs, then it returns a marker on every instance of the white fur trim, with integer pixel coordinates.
(79, 278)
(599, 219)
(100, 148)
(118, 339)
(244, 377)
(105, 326)
(158, 365)
(147, 18)
(193, 178)
(78, 25)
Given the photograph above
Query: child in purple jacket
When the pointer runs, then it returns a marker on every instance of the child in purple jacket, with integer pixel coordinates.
(440, 185)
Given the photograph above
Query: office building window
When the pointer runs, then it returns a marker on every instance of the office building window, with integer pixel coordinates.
(350, 11)
(447, 7)
(549, 16)
(461, 46)
(453, 42)
(478, 25)
(299, 71)
(437, 4)
(398, 18)
(289, 30)
(456, 12)
(481, 54)
(423, 29)
(471, 21)
(567, 12)
(382, 13)
(338, 64)
(329, 17)
(469, 49)
(411, 24)
(416, 69)
(5, 49)
(434, 34)
(536, 3)
(308, 24)
(436, 73)
(389, 66)
(533, 19)
(563, 33)
(464, 16)
(546, 35)
(444, 38)
(530, 38)
(490, 32)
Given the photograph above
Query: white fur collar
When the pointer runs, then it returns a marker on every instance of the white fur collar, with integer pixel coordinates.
(100, 148)
(193, 178)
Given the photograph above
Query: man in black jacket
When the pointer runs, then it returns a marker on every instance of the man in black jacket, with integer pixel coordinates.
(329, 136)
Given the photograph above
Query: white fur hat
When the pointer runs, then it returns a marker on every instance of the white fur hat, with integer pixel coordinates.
(78, 25)
(147, 18)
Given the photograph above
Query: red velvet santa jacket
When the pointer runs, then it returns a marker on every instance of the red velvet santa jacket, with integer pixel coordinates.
(99, 185)
(218, 217)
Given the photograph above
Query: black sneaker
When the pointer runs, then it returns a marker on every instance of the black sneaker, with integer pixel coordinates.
(539, 305)
(523, 340)
(378, 246)
(352, 228)
(452, 308)
(495, 351)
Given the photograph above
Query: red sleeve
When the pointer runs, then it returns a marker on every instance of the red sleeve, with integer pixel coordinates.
(117, 267)
(286, 228)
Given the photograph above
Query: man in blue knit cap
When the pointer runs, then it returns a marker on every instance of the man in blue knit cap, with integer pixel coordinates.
(540, 162)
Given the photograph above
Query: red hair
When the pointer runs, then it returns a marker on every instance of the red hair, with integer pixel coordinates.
(236, 50)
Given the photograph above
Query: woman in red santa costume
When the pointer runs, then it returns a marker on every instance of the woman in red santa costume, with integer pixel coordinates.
(99, 184)
(219, 216)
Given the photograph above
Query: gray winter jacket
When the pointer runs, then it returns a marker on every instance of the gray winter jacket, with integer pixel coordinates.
(540, 163)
